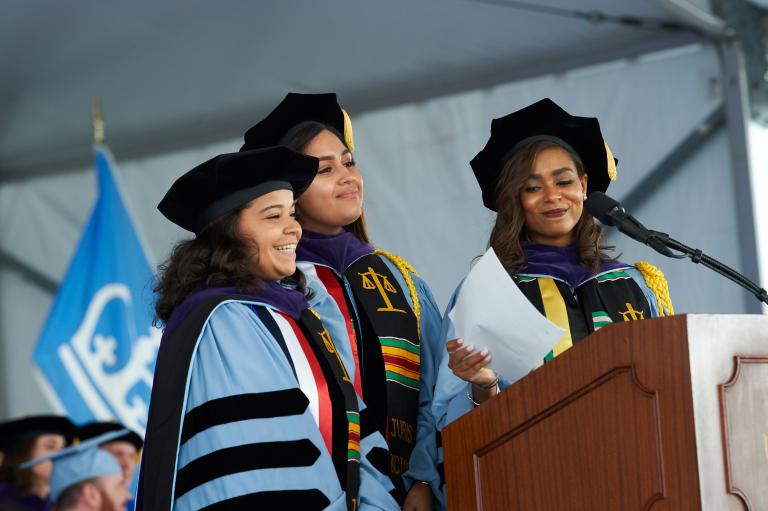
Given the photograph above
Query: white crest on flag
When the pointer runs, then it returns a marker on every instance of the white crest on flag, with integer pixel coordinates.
(89, 354)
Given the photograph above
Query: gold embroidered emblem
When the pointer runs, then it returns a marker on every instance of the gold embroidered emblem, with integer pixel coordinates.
(372, 280)
(631, 314)
(326, 337)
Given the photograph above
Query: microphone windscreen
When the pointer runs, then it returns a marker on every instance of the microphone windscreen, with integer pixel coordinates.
(599, 205)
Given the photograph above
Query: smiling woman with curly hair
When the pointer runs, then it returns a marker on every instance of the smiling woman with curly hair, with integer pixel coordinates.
(251, 405)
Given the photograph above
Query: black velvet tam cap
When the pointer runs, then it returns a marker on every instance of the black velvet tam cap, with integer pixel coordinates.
(295, 109)
(94, 429)
(228, 181)
(543, 120)
(14, 431)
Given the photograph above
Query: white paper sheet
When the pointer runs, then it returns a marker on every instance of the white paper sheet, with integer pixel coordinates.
(491, 312)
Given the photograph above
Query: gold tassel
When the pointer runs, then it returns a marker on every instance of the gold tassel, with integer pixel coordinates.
(349, 137)
(655, 280)
(612, 173)
(406, 269)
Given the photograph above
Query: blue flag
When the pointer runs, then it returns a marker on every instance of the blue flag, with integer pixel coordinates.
(98, 348)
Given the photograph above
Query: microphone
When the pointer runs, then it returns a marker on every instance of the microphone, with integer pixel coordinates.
(611, 212)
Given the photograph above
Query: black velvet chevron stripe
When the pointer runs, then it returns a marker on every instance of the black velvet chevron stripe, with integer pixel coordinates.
(379, 458)
(367, 423)
(232, 460)
(306, 500)
(240, 407)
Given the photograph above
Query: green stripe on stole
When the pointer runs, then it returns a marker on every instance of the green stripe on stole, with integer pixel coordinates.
(601, 319)
(404, 380)
(394, 342)
(613, 275)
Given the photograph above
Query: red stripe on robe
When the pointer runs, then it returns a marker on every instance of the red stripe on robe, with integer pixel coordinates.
(323, 397)
(333, 286)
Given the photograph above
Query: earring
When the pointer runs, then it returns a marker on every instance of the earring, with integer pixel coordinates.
(585, 196)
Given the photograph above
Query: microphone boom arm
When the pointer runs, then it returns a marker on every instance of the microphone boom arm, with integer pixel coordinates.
(699, 257)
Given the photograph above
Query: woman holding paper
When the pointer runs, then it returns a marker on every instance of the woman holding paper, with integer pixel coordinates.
(536, 171)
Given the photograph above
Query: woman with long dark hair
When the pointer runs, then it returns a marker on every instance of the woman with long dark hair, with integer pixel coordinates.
(23, 440)
(251, 405)
(535, 172)
(385, 313)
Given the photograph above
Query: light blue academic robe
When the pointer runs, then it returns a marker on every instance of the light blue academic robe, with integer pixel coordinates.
(237, 354)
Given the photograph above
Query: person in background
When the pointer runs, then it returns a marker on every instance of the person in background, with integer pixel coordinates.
(86, 478)
(251, 406)
(535, 172)
(383, 311)
(124, 448)
(22, 440)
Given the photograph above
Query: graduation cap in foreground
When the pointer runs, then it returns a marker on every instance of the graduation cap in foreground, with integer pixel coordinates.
(543, 120)
(17, 430)
(94, 429)
(295, 109)
(80, 462)
(228, 181)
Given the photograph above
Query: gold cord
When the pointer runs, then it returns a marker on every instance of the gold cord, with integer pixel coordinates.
(655, 280)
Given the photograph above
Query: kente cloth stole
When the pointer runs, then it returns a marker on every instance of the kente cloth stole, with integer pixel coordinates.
(390, 355)
(345, 437)
(603, 299)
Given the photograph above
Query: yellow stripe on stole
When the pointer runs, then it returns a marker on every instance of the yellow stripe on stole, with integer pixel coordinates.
(554, 309)
(400, 353)
(402, 371)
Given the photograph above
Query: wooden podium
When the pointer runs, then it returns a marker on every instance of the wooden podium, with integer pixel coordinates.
(668, 413)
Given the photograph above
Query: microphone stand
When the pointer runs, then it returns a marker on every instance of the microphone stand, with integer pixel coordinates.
(697, 256)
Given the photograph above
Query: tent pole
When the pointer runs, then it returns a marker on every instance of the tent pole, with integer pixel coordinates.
(736, 103)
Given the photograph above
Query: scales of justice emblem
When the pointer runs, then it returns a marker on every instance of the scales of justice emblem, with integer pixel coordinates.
(631, 314)
(372, 280)
(112, 384)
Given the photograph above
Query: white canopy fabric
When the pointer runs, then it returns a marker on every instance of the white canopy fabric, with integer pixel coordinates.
(179, 73)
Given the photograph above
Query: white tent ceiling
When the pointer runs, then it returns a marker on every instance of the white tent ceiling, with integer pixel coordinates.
(174, 74)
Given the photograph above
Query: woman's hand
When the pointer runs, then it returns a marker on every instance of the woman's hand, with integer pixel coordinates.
(470, 368)
(419, 498)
